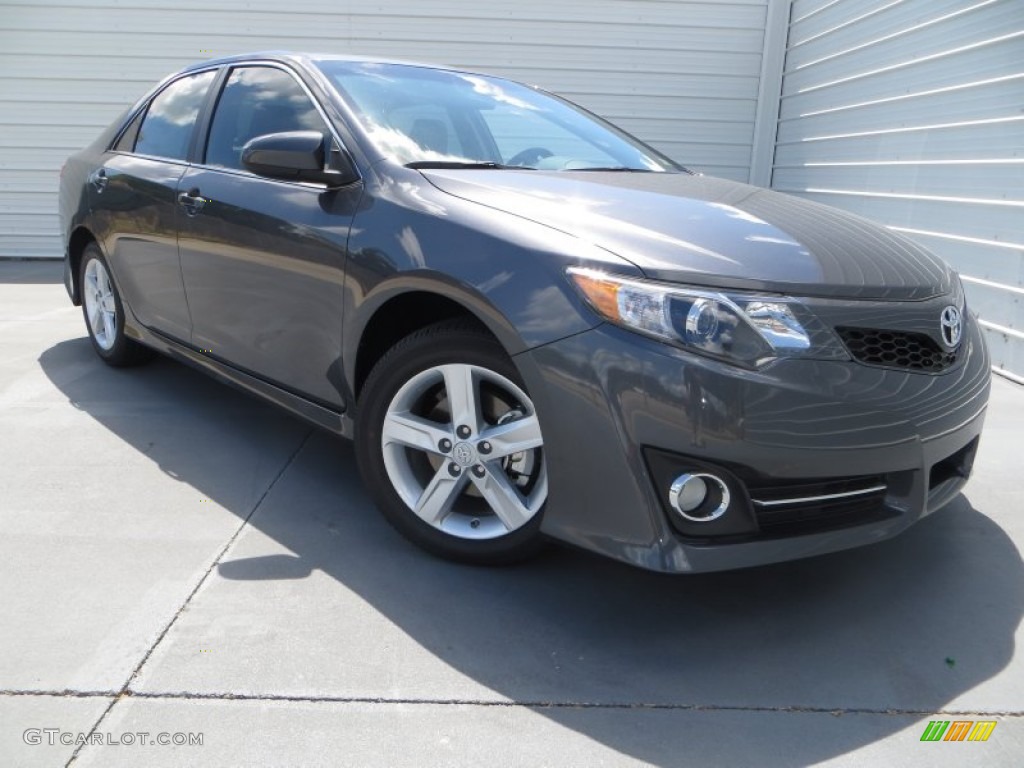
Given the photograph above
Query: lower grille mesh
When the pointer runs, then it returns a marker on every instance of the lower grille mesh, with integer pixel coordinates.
(794, 509)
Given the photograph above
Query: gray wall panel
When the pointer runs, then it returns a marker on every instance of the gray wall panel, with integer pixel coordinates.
(682, 75)
(941, 69)
(911, 112)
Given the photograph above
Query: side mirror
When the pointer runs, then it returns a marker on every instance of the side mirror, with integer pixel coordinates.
(298, 156)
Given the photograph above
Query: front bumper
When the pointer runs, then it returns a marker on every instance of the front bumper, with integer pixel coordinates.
(611, 400)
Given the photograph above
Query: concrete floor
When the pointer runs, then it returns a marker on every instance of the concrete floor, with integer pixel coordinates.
(177, 557)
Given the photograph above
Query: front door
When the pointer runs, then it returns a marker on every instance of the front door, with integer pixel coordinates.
(263, 260)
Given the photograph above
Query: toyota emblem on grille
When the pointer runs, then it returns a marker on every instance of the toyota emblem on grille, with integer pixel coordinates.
(951, 324)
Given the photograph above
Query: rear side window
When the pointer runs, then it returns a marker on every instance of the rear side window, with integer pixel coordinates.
(166, 129)
(257, 101)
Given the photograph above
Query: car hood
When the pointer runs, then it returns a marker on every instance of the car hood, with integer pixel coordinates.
(706, 231)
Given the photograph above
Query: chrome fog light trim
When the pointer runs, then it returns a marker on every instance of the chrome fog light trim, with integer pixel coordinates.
(699, 497)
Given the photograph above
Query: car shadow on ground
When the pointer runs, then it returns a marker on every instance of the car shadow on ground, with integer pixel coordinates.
(907, 625)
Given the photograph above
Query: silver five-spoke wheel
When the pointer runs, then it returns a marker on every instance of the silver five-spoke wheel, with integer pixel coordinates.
(451, 448)
(462, 446)
(100, 307)
(105, 313)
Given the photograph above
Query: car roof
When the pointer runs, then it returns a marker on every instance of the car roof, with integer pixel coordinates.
(309, 58)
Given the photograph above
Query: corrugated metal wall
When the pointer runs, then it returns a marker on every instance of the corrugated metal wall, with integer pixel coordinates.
(681, 75)
(911, 112)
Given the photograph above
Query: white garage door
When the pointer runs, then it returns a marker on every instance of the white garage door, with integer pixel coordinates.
(911, 112)
(682, 75)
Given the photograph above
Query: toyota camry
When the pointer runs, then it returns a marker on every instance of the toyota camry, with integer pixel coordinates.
(532, 324)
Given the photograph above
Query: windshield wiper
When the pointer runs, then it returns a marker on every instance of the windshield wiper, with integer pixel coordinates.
(456, 164)
(620, 168)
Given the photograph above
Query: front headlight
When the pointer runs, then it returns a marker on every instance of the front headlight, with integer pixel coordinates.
(740, 328)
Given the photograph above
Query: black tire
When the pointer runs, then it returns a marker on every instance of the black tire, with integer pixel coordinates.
(460, 343)
(118, 350)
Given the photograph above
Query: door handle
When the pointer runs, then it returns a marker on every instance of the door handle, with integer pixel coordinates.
(191, 201)
(99, 179)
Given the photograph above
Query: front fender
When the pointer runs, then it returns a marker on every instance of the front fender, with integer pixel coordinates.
(507, 271)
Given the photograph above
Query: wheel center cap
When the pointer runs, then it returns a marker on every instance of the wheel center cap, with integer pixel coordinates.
(464, 454)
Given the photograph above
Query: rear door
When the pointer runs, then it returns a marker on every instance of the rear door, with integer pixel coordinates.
(263, 260)
(133, 199)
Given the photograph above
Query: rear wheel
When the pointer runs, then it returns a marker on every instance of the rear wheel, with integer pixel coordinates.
(450, 446)
(104, 313)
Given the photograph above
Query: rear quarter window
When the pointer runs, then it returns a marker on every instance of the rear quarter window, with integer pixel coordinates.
(166, 129)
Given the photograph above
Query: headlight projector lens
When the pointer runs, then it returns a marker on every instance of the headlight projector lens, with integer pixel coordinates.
(701, 321)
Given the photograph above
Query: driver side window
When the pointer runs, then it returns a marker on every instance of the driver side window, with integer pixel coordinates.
(257, 101)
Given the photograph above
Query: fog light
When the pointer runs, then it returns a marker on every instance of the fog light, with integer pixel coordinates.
(699, 497)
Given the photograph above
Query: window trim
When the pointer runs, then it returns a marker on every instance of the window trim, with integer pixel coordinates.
(199, 153)
(129, 127)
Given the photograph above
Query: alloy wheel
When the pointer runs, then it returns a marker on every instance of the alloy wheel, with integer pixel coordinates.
(100, 306)
(463, 449)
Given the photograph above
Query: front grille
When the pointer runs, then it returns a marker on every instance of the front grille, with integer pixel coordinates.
(896, 349)
(792, 509)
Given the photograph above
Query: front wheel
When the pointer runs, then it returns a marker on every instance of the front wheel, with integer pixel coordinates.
(450, 447)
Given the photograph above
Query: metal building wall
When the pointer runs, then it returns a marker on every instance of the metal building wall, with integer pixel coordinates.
(911, 112)
(682, 75)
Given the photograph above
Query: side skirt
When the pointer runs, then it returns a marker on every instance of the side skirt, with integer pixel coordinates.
(338, 423)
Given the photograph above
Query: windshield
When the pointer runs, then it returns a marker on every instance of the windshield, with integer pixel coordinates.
(424, 117)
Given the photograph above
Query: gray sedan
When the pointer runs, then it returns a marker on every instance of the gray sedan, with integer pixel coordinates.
(532, 324)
